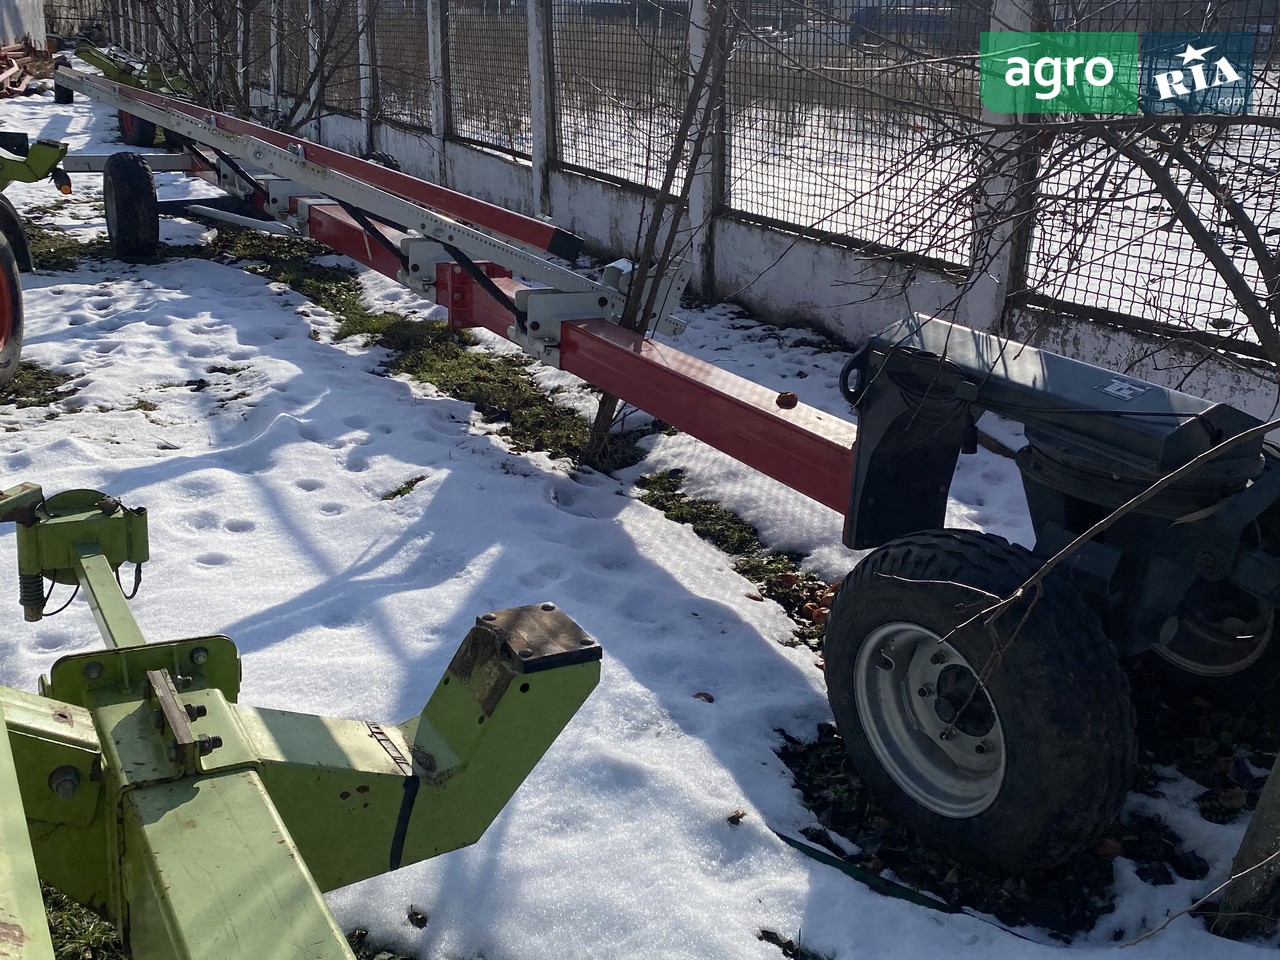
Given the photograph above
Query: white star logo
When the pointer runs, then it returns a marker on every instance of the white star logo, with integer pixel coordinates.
(1191, 53)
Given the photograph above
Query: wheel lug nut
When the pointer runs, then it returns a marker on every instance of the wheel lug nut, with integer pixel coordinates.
(983, 747)
(944, 735)
(925, 692)
(938, 659)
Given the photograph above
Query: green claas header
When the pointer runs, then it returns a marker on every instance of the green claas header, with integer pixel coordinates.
(137, 784)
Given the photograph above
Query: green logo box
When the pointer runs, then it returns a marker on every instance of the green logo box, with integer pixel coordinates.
(1086, 73)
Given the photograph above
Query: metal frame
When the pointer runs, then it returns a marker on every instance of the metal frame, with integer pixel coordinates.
(807, 449)
(209, 829)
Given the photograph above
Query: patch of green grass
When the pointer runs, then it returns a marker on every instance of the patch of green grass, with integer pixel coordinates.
(34, 386)
(404, 489)
(53, 248)
(79, 933)
(777, 575)
(146, 406)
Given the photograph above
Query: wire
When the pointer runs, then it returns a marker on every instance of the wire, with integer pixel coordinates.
(137, 581)
(65, 605)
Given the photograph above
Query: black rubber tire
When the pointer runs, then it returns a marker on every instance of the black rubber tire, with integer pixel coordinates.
(63, 94)
(11, 318)
(135, 131)
(1060, 696)
(129, 197)
(11, 227)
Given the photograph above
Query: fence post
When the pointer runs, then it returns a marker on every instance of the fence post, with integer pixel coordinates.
(438, 43)
(709, 177)
(1005, 182)
(275, 68)
(542, 103)
(364, 28)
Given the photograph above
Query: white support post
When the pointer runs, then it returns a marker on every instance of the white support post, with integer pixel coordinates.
(1000, 239)
(542, 114)
(364, 30)
(276, 55)
(438, 60)
(314, 95)
(709, 176)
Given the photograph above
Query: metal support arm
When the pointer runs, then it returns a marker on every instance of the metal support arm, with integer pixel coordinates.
(208, 829)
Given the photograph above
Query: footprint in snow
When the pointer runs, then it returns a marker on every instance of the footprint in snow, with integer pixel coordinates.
(308, 484)
(212, 559)
(355, 423)
(239, 526)
(332, 509)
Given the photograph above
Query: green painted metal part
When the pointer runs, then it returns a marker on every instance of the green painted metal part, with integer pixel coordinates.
(208, 829)
(41, 161)
(24, 935)
(123, 67)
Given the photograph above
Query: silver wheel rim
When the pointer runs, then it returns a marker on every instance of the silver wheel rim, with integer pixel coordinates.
(909, 684)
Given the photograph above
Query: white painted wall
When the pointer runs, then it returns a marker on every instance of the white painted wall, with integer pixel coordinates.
(22, 18)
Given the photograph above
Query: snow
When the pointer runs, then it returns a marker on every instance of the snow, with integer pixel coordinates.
(264, 493)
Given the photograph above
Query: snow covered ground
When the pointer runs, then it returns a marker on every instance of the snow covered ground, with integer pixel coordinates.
(264, 490)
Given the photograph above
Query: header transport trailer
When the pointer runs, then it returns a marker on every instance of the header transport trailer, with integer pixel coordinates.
(975, 683)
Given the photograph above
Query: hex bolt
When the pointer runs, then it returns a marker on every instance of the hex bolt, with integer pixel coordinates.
(92, 670)
(64, 781)
(199, 656)
(945, 735)
(982, 748)
(209, 744)
(548, 607)
(938, 659)
(182, 683)
(490, 616)
(925, 692)
(196, 710)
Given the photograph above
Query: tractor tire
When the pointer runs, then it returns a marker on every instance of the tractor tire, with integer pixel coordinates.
(135, 131)
(10, 315)
(129, 197)
(11, 227)
(63, 94)
(1019, 770)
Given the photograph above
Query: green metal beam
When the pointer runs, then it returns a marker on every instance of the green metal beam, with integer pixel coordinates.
(211, 873)
(24, 934)
(110, 609)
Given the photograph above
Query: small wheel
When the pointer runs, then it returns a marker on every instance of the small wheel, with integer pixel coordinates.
(135, 131)
(1007, 743)
(11, 227)
(10, 314)
(63, 94)
(129, 197)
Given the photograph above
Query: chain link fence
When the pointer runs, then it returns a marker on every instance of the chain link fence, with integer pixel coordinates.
(852, 119)
(1104, 237)
(488, 45)
(402, 65)
(621, 84)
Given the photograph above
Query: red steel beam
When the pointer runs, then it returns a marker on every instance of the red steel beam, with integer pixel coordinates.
(805, 448)
(526, 230)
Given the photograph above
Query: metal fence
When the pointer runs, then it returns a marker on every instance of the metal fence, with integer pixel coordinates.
(488, 71)
(1106, 241)
(853, 119)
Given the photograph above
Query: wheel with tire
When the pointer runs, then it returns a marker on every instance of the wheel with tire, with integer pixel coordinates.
(11, 227)
(10, 314)
(1008, 743)
(135, 131)
(129, 197)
